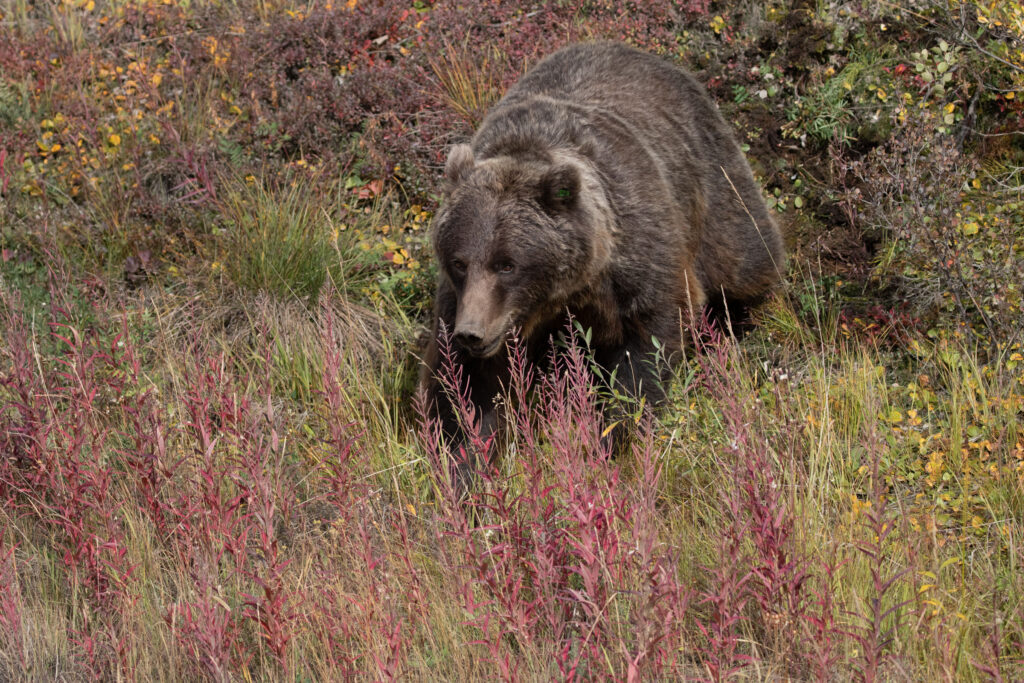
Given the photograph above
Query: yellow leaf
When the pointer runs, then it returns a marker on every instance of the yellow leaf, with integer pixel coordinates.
(114, 139)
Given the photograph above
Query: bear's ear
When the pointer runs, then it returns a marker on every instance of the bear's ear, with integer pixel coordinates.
(460, 163)
(559, 189)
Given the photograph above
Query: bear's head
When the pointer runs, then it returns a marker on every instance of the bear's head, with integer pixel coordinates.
(517, 237)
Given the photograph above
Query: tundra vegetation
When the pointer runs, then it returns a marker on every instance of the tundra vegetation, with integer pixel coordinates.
(214, 275)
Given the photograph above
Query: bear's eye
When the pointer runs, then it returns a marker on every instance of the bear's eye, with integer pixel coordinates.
(458, 267)
(504, 268)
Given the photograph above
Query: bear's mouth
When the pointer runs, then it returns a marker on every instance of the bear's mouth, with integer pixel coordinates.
(487, 350)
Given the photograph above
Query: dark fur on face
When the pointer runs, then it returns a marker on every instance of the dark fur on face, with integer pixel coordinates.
(517, 245)
(604, 186)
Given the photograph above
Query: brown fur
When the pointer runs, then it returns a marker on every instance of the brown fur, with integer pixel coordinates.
(605, 185)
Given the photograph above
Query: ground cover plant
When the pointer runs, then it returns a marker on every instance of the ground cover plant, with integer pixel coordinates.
(214, 281)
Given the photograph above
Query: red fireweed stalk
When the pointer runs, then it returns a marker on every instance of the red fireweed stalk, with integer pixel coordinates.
(821, 634)
(759, 533)
(878, 627)
(269, 498)
(211, 526)
(557, 553)
(61, 408)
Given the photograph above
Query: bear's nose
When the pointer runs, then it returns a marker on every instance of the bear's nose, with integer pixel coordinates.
(468, 340)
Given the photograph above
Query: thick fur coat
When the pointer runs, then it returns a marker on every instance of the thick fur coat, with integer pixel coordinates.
(605, 185)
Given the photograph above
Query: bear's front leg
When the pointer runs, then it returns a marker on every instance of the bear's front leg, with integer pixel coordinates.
(461, 393)
(637, 372)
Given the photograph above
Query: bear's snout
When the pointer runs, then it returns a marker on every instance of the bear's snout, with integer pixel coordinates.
(469, 340)
(480, 320)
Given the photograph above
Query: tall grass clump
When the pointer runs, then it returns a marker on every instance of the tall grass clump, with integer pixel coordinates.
(279, 236)
(469, 85)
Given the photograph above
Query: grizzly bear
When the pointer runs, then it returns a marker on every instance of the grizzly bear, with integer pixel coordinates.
(605, 188)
